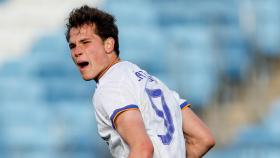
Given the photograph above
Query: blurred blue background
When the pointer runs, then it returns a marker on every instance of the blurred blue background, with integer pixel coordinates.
(221, 55)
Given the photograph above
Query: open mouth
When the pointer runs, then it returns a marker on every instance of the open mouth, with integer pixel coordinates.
(83, 64)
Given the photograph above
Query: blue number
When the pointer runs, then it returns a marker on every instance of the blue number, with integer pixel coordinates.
(165, 114)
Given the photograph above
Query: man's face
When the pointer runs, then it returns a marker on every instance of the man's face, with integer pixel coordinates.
(88, 52)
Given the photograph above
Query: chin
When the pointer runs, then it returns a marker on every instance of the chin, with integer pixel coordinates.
(87, 78)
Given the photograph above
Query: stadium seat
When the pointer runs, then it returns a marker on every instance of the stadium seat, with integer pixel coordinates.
(270, 122)
(20, 89)
(268, 132)
(186, 44)
(176, 13)
(245, 151)
(147, 52)
(128, 16)
(235, 55)
(19, 121)
(1, 1)
(260, 140)
(140, 39)
(196, 62)
(14, 68)
(79, 129)
(54, 43)
(53, 67)
(31, 88)
(267, 32)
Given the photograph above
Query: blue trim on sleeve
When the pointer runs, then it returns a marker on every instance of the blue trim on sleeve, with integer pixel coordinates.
(120, 110)
(186, 103)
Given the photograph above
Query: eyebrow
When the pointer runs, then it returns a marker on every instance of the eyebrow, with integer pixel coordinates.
(80, 41)
(84, 39)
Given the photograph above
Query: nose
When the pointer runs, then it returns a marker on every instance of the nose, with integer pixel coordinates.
(77, 52)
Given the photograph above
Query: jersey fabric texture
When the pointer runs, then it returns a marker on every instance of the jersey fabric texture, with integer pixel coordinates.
(125, 87)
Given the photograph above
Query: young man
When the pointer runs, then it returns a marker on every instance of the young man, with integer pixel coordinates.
(137, 115)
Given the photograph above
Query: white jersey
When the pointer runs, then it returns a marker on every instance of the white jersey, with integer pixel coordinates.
(125, 86)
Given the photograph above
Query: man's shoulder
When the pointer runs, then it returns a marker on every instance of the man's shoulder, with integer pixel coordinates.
(120, 72)
(123, 68)
(116, 75)
(119, 82)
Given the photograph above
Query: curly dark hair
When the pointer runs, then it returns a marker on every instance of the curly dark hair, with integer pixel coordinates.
(104, 22)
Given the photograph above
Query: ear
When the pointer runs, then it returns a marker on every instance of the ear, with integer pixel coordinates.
(109, 44)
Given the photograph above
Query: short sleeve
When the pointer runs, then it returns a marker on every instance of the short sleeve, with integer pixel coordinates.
(182, 102)
(115, 98)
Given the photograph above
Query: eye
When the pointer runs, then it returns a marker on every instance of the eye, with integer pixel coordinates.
(85, 42)
(71, 45)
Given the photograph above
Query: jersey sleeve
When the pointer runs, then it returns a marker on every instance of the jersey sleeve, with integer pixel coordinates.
(116, 98)
(182, 102)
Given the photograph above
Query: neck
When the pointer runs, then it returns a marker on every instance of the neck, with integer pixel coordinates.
(116, 60)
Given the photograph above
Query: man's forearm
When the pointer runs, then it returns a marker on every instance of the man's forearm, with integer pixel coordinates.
(198, 149)
(144, 152)
(196, 152)
(198, 137)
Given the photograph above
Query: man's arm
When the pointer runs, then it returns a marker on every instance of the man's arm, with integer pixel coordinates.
(130, 126)
(198, 137)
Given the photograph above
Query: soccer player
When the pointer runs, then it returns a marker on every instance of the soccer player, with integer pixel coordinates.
(137, 115)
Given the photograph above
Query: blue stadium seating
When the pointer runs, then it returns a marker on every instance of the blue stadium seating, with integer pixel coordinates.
(55, 44)
(176, 13)
(188, 44)
(195, 60)
(128, 15)
(260, 140)
(268, 32)
(149, 53)
(20, 90)
(140, 40)
(26, 127)
(243, 151)
(45, 105)
(268, 132)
